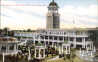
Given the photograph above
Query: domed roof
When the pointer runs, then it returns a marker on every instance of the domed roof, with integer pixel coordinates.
(53, 3)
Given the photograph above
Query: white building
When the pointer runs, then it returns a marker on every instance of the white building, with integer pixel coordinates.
(77, 38)
(8, 46)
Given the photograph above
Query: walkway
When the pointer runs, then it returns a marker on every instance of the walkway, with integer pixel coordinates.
(57, 57)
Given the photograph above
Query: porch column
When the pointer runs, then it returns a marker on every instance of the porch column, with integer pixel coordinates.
(15, 47)
(35, 52)
(90, 46)
(86, 45)
(3, 57)
(39, 40)
(53, 41)
(66, 50)
(87, 50)
(59, 50)
(69, 49)
(63, 38)
(80, 51)
(62, 49)
(29, 57)
(91, 53)
(83, 53)
(44, 53)
(83, 42)
(34, 39)
(48, 39)
(94, 49)
(58, 38)
(44, 42)
(39, 53)
(74, 42)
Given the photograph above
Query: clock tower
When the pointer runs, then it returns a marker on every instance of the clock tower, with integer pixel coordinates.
(53, 16)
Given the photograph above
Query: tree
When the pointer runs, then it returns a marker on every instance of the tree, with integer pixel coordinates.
(29, 30)
(6, 31)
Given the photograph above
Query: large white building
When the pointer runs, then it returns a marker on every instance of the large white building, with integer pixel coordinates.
(55, 37)
(63, 40)
(78, 38)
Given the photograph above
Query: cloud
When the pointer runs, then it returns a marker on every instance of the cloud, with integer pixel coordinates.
(34, 17)
(24, 20)
(83, 16)
(7, 3)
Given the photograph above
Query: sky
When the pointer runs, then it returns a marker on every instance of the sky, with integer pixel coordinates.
(31, 14)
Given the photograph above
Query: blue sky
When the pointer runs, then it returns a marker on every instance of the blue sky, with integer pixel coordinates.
(24, 14)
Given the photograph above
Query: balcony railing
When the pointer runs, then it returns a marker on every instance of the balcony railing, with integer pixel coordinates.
(9, 51)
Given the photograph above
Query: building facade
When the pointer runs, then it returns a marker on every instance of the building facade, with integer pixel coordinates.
(77, 38)
(8, 45)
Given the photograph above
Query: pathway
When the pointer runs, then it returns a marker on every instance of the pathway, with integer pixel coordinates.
(57, 57)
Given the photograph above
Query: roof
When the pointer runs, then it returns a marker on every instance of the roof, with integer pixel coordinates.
(7, 39)
(53, 3)
(70, 29)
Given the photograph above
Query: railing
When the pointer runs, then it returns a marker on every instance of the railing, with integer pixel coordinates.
(68, 34)
(49, 40)
(9, 52)
(9, 41)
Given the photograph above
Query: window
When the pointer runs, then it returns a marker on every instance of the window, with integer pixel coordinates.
(64, 33)
(3, 48)
(11, 47)
(71, 39)
(50, 37)
(79, 39)
(55, 38)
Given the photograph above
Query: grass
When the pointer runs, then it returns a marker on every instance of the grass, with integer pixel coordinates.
(50, 56)
(58, 60)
